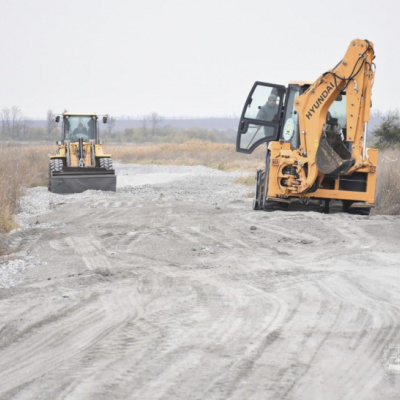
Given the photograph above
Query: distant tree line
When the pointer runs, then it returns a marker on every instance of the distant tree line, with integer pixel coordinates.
(152, 130)
(14, 126)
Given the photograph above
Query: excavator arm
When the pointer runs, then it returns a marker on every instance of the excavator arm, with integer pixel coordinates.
(321, 149)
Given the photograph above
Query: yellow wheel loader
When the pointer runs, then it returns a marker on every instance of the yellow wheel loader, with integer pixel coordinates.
(316, 136)
(80, 163)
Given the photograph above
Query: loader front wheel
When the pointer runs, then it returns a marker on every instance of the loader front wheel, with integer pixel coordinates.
(269, 205)
(106, 163)
(56, 165)
(257, 201)
(255, 204)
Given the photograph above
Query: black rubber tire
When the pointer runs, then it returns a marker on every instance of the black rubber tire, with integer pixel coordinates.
(325, 206)
(106, 163)
(255, 204)
(354, 210)
(257, 199)
(266, 204)
(56, 165)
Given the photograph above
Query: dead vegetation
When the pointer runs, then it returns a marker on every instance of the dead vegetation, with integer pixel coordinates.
(247, 180)
(21, 166)
(221, 156)
(388, 183)
(26, 165)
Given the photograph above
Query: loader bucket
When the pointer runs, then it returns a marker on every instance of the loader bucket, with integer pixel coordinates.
(77, 181)
(332, 156)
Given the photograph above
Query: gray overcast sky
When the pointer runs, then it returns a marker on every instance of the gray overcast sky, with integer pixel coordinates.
(182, 57)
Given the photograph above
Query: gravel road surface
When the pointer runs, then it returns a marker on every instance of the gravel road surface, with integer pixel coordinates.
(173, 288)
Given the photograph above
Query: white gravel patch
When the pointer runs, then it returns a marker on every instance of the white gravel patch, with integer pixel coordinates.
(12, 271)
(202, 184)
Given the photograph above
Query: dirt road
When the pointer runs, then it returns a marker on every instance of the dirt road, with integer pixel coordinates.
(173, 288)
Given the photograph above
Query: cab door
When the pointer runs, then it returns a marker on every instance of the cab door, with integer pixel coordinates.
(261, 116)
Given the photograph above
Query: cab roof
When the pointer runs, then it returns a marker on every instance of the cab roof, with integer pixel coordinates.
(69, 114)
(301, 83)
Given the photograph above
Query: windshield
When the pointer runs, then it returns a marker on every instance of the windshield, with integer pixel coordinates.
(261, 116)
(264, 104)
(76, 127)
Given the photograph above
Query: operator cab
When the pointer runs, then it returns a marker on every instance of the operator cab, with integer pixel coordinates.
(261, 116)
(77, 127)
(263, 121)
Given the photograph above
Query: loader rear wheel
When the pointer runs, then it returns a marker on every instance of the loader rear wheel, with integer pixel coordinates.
(355, 210)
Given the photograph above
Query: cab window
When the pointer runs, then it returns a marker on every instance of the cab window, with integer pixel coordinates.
(260, 118)
(290, 129)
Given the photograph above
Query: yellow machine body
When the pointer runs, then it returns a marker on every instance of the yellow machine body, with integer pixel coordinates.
(316, 142)
(80, 163)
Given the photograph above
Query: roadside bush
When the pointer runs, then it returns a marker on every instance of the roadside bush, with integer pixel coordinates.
(388, 132)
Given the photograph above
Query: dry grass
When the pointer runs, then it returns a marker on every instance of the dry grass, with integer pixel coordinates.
(20, 166)
(388, 183)
(246, 180)
(26, 165)
(214, 155)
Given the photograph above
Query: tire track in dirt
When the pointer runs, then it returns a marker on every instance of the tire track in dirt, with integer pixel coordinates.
(381, 328)
(203, 302)
(44, 353)
(78, 332)
(360, 345)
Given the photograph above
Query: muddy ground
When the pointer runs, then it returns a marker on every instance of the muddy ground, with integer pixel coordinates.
(173, 288)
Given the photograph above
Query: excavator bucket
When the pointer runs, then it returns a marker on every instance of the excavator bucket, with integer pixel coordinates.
(77, 180)
(332, 156)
